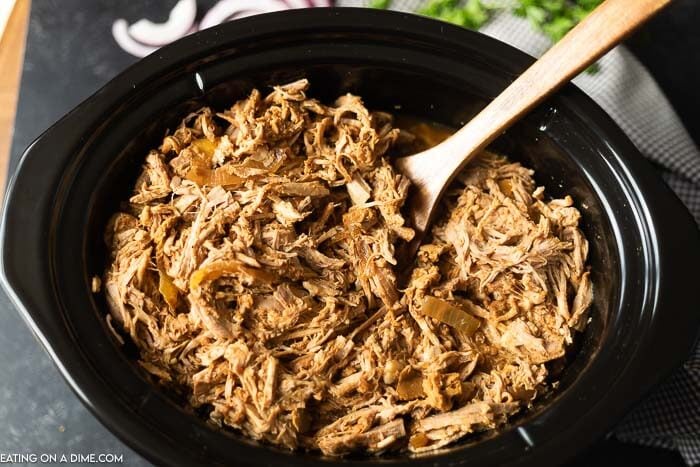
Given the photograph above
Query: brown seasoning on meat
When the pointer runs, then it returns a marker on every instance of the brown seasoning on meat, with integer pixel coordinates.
(253, 267)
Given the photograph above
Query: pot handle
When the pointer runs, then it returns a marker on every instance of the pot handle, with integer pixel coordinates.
(29, 203)
(674, 327)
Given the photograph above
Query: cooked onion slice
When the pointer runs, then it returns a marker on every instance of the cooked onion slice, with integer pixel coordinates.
(167, 288)
(419, 440)
(206, 147)
(410, 384)
(452, 315)
(208, 177)
(229, 175)
(213, 271)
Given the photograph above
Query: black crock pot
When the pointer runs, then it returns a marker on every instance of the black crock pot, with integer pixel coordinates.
(644, 320)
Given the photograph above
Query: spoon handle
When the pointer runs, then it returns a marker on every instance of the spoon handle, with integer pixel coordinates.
(605, 27)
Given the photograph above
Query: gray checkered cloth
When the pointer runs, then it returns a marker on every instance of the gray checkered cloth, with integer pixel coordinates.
(669, 417)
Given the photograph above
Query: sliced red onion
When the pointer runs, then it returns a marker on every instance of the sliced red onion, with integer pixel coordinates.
(179, 22)
(227, 9)
(242, 14)
(298, 3)
(120, 31)
(144, 36)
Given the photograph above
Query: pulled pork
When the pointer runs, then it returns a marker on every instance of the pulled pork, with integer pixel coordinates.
(253, 267)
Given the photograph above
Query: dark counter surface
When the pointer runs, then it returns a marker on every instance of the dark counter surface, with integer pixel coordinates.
(64, 64)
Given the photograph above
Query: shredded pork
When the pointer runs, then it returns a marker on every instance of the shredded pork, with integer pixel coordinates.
(254, 269)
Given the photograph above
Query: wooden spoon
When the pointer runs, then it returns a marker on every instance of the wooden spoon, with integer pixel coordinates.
(432, 170)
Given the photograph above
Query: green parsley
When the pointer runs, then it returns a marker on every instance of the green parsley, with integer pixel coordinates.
(380, 4)
(471, 14)
(554, 18)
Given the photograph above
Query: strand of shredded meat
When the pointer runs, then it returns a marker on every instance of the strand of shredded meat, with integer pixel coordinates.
(253, 267)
